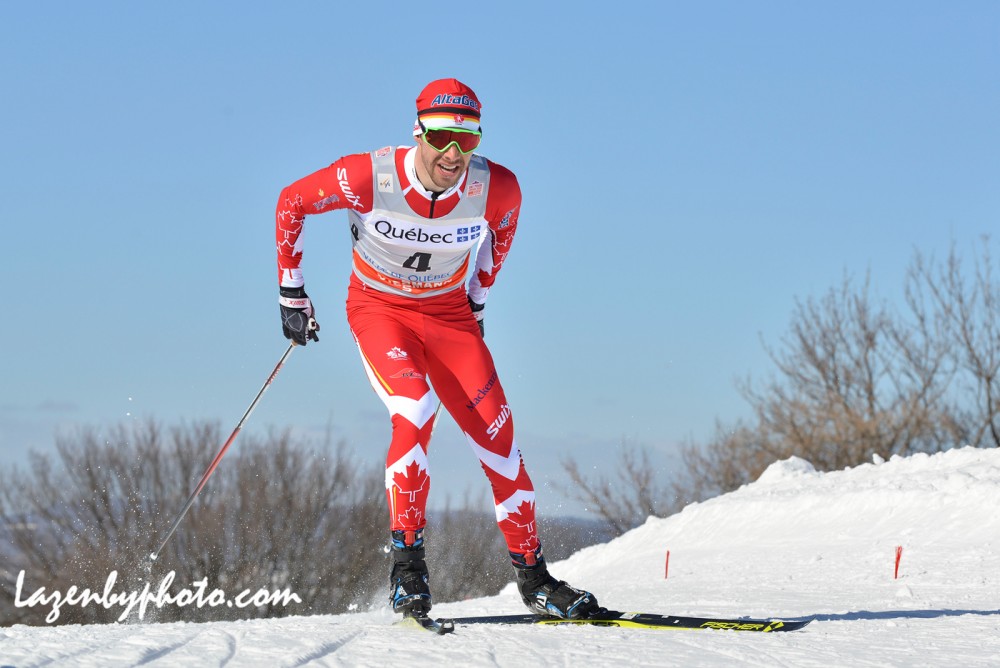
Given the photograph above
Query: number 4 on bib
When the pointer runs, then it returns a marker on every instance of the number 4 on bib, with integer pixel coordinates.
(421, 260)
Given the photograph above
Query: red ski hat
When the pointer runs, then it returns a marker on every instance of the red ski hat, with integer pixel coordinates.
(447, 103)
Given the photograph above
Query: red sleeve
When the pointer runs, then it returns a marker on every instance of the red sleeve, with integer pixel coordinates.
(503, 206)
(345, 184)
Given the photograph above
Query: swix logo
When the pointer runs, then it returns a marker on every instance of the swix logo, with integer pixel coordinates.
(397, 354)
(407, 373)
(455, 100)
(494, 429)
(345, 188)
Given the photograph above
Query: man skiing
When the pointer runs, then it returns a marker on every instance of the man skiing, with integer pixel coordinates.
(419, 217)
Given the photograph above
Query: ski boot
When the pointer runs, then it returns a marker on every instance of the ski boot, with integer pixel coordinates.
(409, 591)
(544, 595)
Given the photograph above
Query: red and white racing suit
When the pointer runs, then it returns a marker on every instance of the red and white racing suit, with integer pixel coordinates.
(408, 311)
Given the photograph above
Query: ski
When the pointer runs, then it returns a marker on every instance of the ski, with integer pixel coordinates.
(644, 621)
(438, 626)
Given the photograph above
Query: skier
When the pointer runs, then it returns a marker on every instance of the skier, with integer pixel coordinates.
(418, 217)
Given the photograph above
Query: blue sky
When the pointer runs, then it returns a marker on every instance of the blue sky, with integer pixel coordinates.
(689, 170)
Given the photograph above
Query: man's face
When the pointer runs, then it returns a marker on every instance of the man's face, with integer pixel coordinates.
(440, 171)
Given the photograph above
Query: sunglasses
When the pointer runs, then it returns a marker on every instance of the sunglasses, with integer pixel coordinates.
(440, 140)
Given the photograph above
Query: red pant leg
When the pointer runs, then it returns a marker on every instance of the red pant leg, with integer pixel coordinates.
(394, 360)
(465, 378)
(405, 341)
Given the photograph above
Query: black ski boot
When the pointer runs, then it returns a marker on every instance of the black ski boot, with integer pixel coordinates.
(544, 595)
(409, 591)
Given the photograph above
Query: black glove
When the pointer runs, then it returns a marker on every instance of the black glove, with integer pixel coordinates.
(297, 320)
(478, 312)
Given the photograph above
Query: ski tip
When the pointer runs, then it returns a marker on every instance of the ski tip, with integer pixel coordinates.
(788, 625)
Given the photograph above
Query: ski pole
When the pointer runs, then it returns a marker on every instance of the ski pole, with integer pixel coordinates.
(215, 462)
(437, 415)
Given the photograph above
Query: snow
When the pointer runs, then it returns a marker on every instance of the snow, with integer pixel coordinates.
(794, 544)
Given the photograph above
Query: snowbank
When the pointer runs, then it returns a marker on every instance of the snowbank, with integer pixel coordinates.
(795, 543)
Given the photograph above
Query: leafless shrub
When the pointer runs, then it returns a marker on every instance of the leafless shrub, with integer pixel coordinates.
(854, 378)
(970, 309)
(276, 515)
(735, 456)
(264, 521)
(623, 499)
(853, 382)
(857, 379)
(466, 553)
